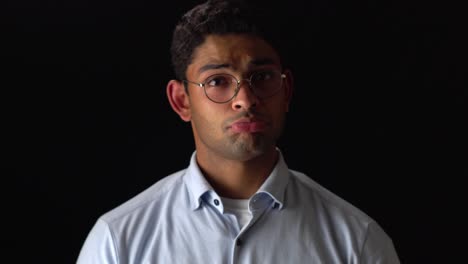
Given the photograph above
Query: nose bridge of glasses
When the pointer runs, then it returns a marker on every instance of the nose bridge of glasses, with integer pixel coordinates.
(248, 80)
(250, 90)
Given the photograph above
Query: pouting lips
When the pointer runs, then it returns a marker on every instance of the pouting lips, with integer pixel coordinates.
(248, 126)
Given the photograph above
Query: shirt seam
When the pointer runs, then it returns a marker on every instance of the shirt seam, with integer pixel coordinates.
(114, 242)
(364, 243)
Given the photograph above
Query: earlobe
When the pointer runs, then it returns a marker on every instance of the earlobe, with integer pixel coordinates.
(178, 98)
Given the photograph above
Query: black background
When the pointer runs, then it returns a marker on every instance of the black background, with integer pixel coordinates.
(376, 115)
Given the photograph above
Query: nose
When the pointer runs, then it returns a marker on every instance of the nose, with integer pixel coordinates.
(245, 99)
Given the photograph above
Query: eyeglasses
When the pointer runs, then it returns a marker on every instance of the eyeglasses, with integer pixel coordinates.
(222, 88)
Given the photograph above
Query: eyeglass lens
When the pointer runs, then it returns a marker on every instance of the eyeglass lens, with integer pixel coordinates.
(223, 87)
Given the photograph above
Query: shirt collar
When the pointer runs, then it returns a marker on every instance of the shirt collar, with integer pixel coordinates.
(196, 182)
(274, 185)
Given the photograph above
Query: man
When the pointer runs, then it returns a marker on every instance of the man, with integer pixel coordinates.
(237, 202)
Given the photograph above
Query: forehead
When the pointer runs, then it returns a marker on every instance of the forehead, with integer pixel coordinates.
(234, 51)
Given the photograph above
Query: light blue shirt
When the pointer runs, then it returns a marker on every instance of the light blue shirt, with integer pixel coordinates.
(181, 219)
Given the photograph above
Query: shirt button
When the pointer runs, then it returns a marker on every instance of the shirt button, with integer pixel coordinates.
(216, 202)
(239, 242)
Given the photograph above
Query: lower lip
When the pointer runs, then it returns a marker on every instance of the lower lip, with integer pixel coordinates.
(248, 127)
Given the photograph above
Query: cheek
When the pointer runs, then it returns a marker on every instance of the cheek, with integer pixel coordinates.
(207, 120)
(279, 115)
(277, 107)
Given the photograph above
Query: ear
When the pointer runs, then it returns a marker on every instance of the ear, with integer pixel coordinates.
(179, 99)
(289, 87)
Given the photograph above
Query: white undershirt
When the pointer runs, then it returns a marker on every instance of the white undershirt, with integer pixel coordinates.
(239, 208)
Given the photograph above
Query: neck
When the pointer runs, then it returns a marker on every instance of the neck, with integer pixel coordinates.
(237, 179)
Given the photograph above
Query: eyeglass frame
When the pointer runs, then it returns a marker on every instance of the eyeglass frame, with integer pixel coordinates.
(249, 80)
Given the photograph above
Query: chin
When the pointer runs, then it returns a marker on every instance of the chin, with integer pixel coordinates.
(248, 150)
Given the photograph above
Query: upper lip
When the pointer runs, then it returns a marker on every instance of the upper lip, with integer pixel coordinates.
(246, 120)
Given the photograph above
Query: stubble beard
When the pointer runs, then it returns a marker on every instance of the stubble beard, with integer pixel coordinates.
(246, 146)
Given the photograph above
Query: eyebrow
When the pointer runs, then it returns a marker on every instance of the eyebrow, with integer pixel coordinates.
(212, 67)
(262, 61)
(255, 62)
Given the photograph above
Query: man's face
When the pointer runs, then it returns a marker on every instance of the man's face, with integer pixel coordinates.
(246, 126)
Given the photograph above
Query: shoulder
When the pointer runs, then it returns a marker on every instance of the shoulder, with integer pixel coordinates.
(118, 234)
(325, 200)
(336, 217)
(150, 198)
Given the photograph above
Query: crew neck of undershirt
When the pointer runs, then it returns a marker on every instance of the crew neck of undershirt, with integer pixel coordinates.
(239, 208)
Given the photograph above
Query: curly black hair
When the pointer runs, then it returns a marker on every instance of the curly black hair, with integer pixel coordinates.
(217, 17)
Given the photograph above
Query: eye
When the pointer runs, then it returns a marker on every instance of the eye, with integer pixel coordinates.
(219, 81)
(263, 76)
